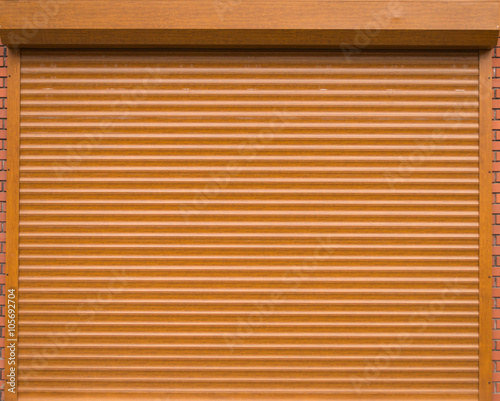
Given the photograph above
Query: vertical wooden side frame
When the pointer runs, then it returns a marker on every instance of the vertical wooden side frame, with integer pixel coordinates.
(485, 226)
(12, 227)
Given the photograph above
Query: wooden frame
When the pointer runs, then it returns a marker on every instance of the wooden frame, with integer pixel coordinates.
(12, 226)
(259, 24)
(382, 24)
(485, 225)
(485, 212)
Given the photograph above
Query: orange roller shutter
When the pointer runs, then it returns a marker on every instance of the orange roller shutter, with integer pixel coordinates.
(249, 225)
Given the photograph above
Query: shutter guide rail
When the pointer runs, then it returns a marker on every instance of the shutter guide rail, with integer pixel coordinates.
(12, 226)
(485, 224)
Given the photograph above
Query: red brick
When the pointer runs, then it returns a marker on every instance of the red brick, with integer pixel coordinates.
(3, 92)
(496, 166)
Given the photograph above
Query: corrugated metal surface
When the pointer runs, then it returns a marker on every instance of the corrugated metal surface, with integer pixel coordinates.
(248, 226)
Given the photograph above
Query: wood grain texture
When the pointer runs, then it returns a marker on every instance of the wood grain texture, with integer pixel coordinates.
(252, 225)
(485, 225)
(297, 23)
(12, 225)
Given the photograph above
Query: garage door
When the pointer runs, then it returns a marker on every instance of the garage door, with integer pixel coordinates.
(249, 226)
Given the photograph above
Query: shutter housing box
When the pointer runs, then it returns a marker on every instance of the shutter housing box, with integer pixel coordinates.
(405, 24)
(250, 223)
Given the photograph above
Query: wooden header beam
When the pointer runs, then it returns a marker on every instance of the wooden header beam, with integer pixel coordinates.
(358, 24)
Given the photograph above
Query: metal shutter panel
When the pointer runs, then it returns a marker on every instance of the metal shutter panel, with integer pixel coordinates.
(248, 225)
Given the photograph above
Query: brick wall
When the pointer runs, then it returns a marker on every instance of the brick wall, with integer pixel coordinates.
(496, 212)
(3, 140)
(496, 224)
